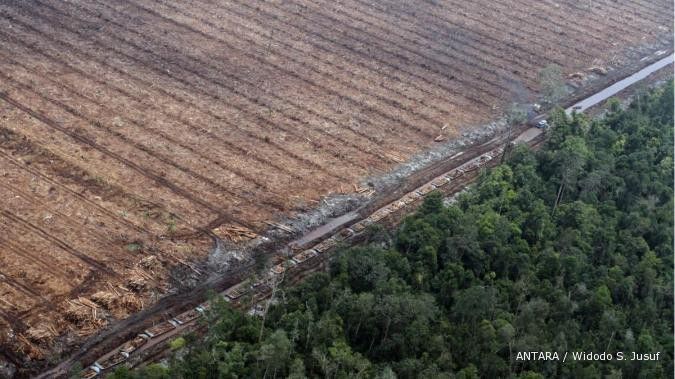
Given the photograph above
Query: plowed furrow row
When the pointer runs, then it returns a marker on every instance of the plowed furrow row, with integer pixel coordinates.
(342, 52)
(469, 73)
(85, 141)
(519, 31)
(325, 31)
(316, 64)
(210, 85)
(325, 24)
(331, 92)
(129, 138)
(311, 161)
(576, 38)
(430, 25)
(464, 19)
(355, 76)
(583, 32)
(441, 36)
(248, 150)
(37, 231)
(324, 81)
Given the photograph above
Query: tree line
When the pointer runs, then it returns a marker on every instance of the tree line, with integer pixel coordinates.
(569, 248)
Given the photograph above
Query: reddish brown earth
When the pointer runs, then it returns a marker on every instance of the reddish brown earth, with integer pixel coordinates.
(130, 129)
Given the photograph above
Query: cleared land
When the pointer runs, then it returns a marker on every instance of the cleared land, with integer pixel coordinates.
(130, 130)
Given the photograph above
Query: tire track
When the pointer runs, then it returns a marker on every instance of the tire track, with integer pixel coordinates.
(56, 241)
(14, 320)
(101, 239)
(56, 271)
(79, 196)
(74, 194)
(23, 288)
(104, 241)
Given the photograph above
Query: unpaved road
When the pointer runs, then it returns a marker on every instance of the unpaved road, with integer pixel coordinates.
(620, 85)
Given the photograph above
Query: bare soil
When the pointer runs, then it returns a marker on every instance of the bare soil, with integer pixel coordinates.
(134, 132)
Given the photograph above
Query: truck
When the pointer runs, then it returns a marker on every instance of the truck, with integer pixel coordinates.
(542, 124)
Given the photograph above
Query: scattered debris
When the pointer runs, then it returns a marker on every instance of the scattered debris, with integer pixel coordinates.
(598, 70)
(42, 333)
(280, 226)
(577, 75)
(150, 263)
(118, 304)
(234, 233)
(30, 349)
(440, 138)
(394, 157)
(105, 298)
(136, 282)
(183, 262)
(130, 303)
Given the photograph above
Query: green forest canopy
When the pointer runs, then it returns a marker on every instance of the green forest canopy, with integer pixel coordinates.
(565, 249)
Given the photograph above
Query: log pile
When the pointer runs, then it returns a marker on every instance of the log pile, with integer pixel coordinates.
(234, 233)
(41, 333)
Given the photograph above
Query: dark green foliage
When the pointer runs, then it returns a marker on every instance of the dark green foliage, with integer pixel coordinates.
(568, 249)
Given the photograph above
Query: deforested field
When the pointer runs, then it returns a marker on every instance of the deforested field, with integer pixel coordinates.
(131, 129)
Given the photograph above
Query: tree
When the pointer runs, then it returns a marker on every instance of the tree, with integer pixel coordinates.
(274, 354)
(570, 161)
(516, 114)
(297, 370)
(552, 83)
(469, 285)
